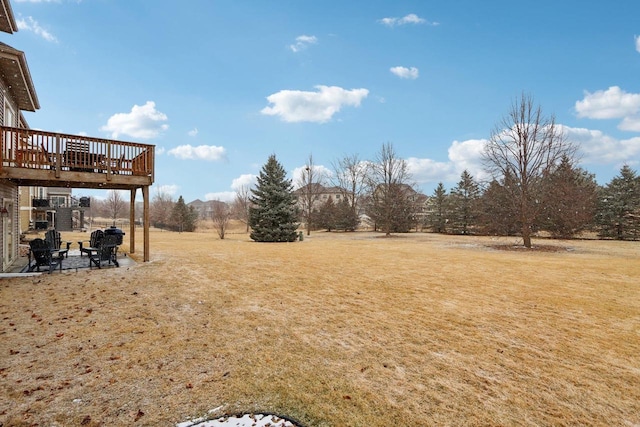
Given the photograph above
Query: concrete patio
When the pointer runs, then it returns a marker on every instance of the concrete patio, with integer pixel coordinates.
(72, 262)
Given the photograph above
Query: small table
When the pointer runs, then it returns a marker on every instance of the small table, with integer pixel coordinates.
(81, 161)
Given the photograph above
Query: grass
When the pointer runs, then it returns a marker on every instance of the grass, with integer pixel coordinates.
(343, 329)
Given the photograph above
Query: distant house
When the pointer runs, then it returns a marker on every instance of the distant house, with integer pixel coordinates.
(320, 193)
(204, 209)
(42, 207)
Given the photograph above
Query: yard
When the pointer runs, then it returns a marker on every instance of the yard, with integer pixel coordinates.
(342, 329)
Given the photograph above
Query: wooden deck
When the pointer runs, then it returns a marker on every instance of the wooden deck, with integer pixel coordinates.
(37, 158)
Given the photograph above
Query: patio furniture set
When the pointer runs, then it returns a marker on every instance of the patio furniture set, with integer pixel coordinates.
(51, 251)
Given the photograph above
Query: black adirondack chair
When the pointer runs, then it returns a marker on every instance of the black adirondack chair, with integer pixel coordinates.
(107, 250)
(53, 238)
(102, 247)
(44, 255)
(94, 242)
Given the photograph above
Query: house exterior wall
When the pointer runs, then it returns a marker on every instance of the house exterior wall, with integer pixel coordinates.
(3, 90)
(9, 250)
(321, 196)
(24, 197)
(204, 209)
(9, 194)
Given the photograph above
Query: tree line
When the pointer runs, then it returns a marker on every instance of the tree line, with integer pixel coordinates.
(535, 186)
(565, 202)
(568, 202)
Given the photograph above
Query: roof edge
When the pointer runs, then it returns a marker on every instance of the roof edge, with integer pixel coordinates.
(7, 14)
(10, 52)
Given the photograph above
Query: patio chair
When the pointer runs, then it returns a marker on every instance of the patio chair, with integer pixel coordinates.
(94, 242)
(107, 250)
(53, 238)
(44, 255)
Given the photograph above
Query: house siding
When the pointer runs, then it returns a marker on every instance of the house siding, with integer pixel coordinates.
(8, 190)
(3, 90)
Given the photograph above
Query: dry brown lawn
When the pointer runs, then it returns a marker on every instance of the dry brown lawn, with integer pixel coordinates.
(342, 329)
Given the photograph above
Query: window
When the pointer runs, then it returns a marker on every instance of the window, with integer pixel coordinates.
(58, 201)
(9, 115)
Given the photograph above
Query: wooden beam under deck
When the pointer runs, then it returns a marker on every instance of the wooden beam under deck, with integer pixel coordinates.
(47, 178)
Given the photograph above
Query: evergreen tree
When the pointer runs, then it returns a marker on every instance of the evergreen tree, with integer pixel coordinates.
(183, 217)
(326, 216)
(464, 204)
(619, 207)
(273, 214)
(437, 216)
(346, 218)
(569, 201)
(498, 214)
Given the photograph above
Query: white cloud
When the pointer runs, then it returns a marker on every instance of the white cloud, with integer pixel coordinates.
(637, 38)
(595, 147)
(30, 24)
(608, 104)
(193, 132)
(318, 172)
(613, 103)
(411, 18)
(203, 152)
(170, 189)
(404, 72)
(631, 123)
(465, 155)
(319, 107)
(142, 122)
(429, 171)
(598, 148)
(244, 180)
(223, 196)
(303, 42)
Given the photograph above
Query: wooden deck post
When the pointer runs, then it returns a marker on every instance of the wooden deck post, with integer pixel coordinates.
(145, 203)
(132, 222)
(58, 156)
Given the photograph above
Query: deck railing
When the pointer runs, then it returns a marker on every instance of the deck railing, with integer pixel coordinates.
(34, 149)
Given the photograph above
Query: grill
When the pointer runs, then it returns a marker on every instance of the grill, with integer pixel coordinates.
(113, 230)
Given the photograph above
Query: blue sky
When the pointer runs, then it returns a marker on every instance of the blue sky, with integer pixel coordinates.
(218, 86)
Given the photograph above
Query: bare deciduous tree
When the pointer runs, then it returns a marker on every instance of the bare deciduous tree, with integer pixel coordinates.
(115, 204)
(310, 182)
(350, 176)
(391, 186)
(525, 145)
(221, 215)
(241, 205)
(161, 208)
